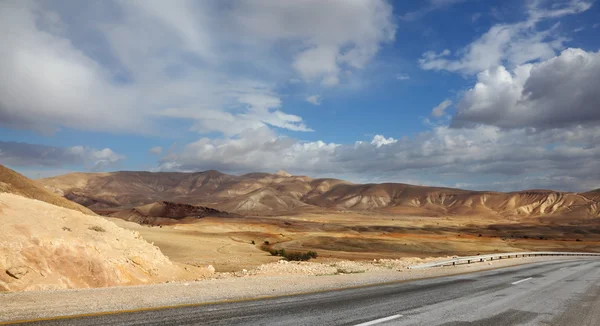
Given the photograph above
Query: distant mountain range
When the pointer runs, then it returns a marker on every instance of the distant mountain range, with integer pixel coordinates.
(264, 193)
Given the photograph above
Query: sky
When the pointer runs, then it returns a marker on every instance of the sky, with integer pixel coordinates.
(475, 94)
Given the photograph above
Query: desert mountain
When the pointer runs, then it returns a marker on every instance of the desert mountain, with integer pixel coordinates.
(156, 213)
(256, 193)
(46, 246)
(15, 183)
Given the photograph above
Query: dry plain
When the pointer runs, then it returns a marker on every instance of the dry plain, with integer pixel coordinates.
(236, 243)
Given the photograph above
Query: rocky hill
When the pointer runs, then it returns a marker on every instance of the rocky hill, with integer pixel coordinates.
(157, 213)
(15, 183)
(47, 242)
(259, 193)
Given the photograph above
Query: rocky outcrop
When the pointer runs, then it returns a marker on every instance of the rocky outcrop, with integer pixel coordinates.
(43, 246)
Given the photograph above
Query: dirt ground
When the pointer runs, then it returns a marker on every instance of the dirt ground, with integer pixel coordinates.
(234, 244)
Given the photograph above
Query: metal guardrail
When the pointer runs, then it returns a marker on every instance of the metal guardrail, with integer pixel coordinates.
(499, 256)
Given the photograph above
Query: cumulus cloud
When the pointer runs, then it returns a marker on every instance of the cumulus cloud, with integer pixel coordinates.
(334, 34)
(559, 92)
(508, 44)
(380, 140)
(128, 66)
(459, 155)
(440, 109)
(314, 99)
(33, 155)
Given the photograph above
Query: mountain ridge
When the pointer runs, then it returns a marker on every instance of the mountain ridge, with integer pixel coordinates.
(258, 193)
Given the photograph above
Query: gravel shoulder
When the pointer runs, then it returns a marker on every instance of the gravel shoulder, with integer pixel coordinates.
(277, 279)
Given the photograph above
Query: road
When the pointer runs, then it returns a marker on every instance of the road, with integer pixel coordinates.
(549, 293)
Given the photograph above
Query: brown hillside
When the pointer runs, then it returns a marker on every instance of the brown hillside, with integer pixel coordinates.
(15, 183)
(259, 193)
(155, 212)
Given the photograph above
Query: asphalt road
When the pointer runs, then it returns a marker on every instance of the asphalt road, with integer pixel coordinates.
(548, 293)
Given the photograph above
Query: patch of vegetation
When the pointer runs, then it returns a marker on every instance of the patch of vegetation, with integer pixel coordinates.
(253, 242)
(66, 229)
(291, 256)
(266, 243)
(97, 228)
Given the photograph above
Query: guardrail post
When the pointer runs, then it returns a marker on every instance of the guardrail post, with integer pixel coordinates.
(468, 261)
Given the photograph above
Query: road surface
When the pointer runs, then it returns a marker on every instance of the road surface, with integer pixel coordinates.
(549, 293)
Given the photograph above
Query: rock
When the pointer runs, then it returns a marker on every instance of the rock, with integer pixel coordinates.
(17, 272)
(211, 269)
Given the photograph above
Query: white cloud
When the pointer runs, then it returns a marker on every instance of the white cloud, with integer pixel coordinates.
(440, 109)
(507, 44)
(463, 154)
(402, 76)
(97, 159)
(380, 140)
(126, 66)
(314, 99)
(157, 150)
(334, 34)
(432, 5)
(32, 155)
(559, 92)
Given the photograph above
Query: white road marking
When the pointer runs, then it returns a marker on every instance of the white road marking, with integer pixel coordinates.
(523, 280)
(380, 320)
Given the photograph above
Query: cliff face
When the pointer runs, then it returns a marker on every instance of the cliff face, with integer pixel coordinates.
(257, 193)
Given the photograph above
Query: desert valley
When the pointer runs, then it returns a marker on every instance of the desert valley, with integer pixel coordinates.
(101, 229)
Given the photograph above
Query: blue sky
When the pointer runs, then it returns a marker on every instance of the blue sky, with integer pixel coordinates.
(495, 95)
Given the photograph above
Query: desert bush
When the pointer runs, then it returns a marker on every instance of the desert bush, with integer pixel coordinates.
(291, 256)
(253, 242)
(97, 228)
(266, 243)
(66, 229)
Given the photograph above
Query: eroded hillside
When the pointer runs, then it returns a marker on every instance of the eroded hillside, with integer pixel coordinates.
(258, 193)
(47, 242)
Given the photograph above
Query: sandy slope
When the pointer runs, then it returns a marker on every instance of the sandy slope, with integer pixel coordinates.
(43, 246)
(15, 183)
